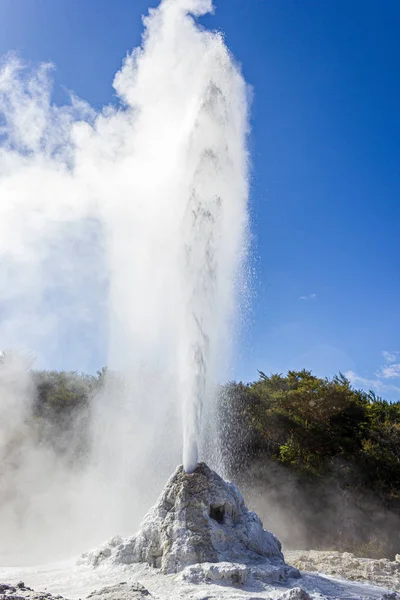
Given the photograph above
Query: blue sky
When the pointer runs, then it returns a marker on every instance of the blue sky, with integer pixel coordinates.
(325, 163)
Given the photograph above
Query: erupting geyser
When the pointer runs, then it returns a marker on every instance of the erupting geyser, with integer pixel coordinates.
(213, 193)
(189, 203)
(127, 229)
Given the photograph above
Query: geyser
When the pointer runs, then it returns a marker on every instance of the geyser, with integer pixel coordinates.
(130, 222)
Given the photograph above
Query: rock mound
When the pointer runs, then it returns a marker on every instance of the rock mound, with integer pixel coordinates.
(20, 591)
(381, 572)
(295, 594)
(121, 591)
(199, 518)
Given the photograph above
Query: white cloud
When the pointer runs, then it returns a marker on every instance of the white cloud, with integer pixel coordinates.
(309, 297)
(375, 384)
(392, 368)
(378, 383)
(390, 356)
(391, 371)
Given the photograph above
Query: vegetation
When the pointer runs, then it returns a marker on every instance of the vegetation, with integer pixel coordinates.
(314, 427)
(61, 410)
(338, 446)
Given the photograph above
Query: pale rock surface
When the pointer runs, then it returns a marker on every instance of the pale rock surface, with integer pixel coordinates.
(201, 527)
(383, 572)
(20, 591)
(121, 591)
(295, 594)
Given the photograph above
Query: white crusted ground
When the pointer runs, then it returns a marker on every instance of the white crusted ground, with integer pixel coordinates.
(382, 571)
(77, 582)
(200, 542)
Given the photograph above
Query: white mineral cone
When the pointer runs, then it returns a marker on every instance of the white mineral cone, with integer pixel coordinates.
(200, 519)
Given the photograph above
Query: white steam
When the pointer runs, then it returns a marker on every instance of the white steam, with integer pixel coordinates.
(138, 213)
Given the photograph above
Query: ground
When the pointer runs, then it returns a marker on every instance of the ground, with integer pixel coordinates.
(76, 582)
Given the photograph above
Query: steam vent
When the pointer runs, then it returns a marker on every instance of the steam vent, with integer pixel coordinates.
(200, 528)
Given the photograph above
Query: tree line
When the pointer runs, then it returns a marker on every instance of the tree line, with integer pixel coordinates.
(339, 447)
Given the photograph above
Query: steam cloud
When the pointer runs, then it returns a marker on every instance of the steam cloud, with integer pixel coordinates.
(136, 215)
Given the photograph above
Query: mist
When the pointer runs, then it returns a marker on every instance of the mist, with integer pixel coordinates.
(320, 515)
(125, 227)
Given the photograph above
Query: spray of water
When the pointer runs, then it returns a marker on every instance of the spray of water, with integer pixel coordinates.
(129, 225)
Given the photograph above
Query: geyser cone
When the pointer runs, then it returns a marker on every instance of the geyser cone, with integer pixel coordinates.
(199, 519)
